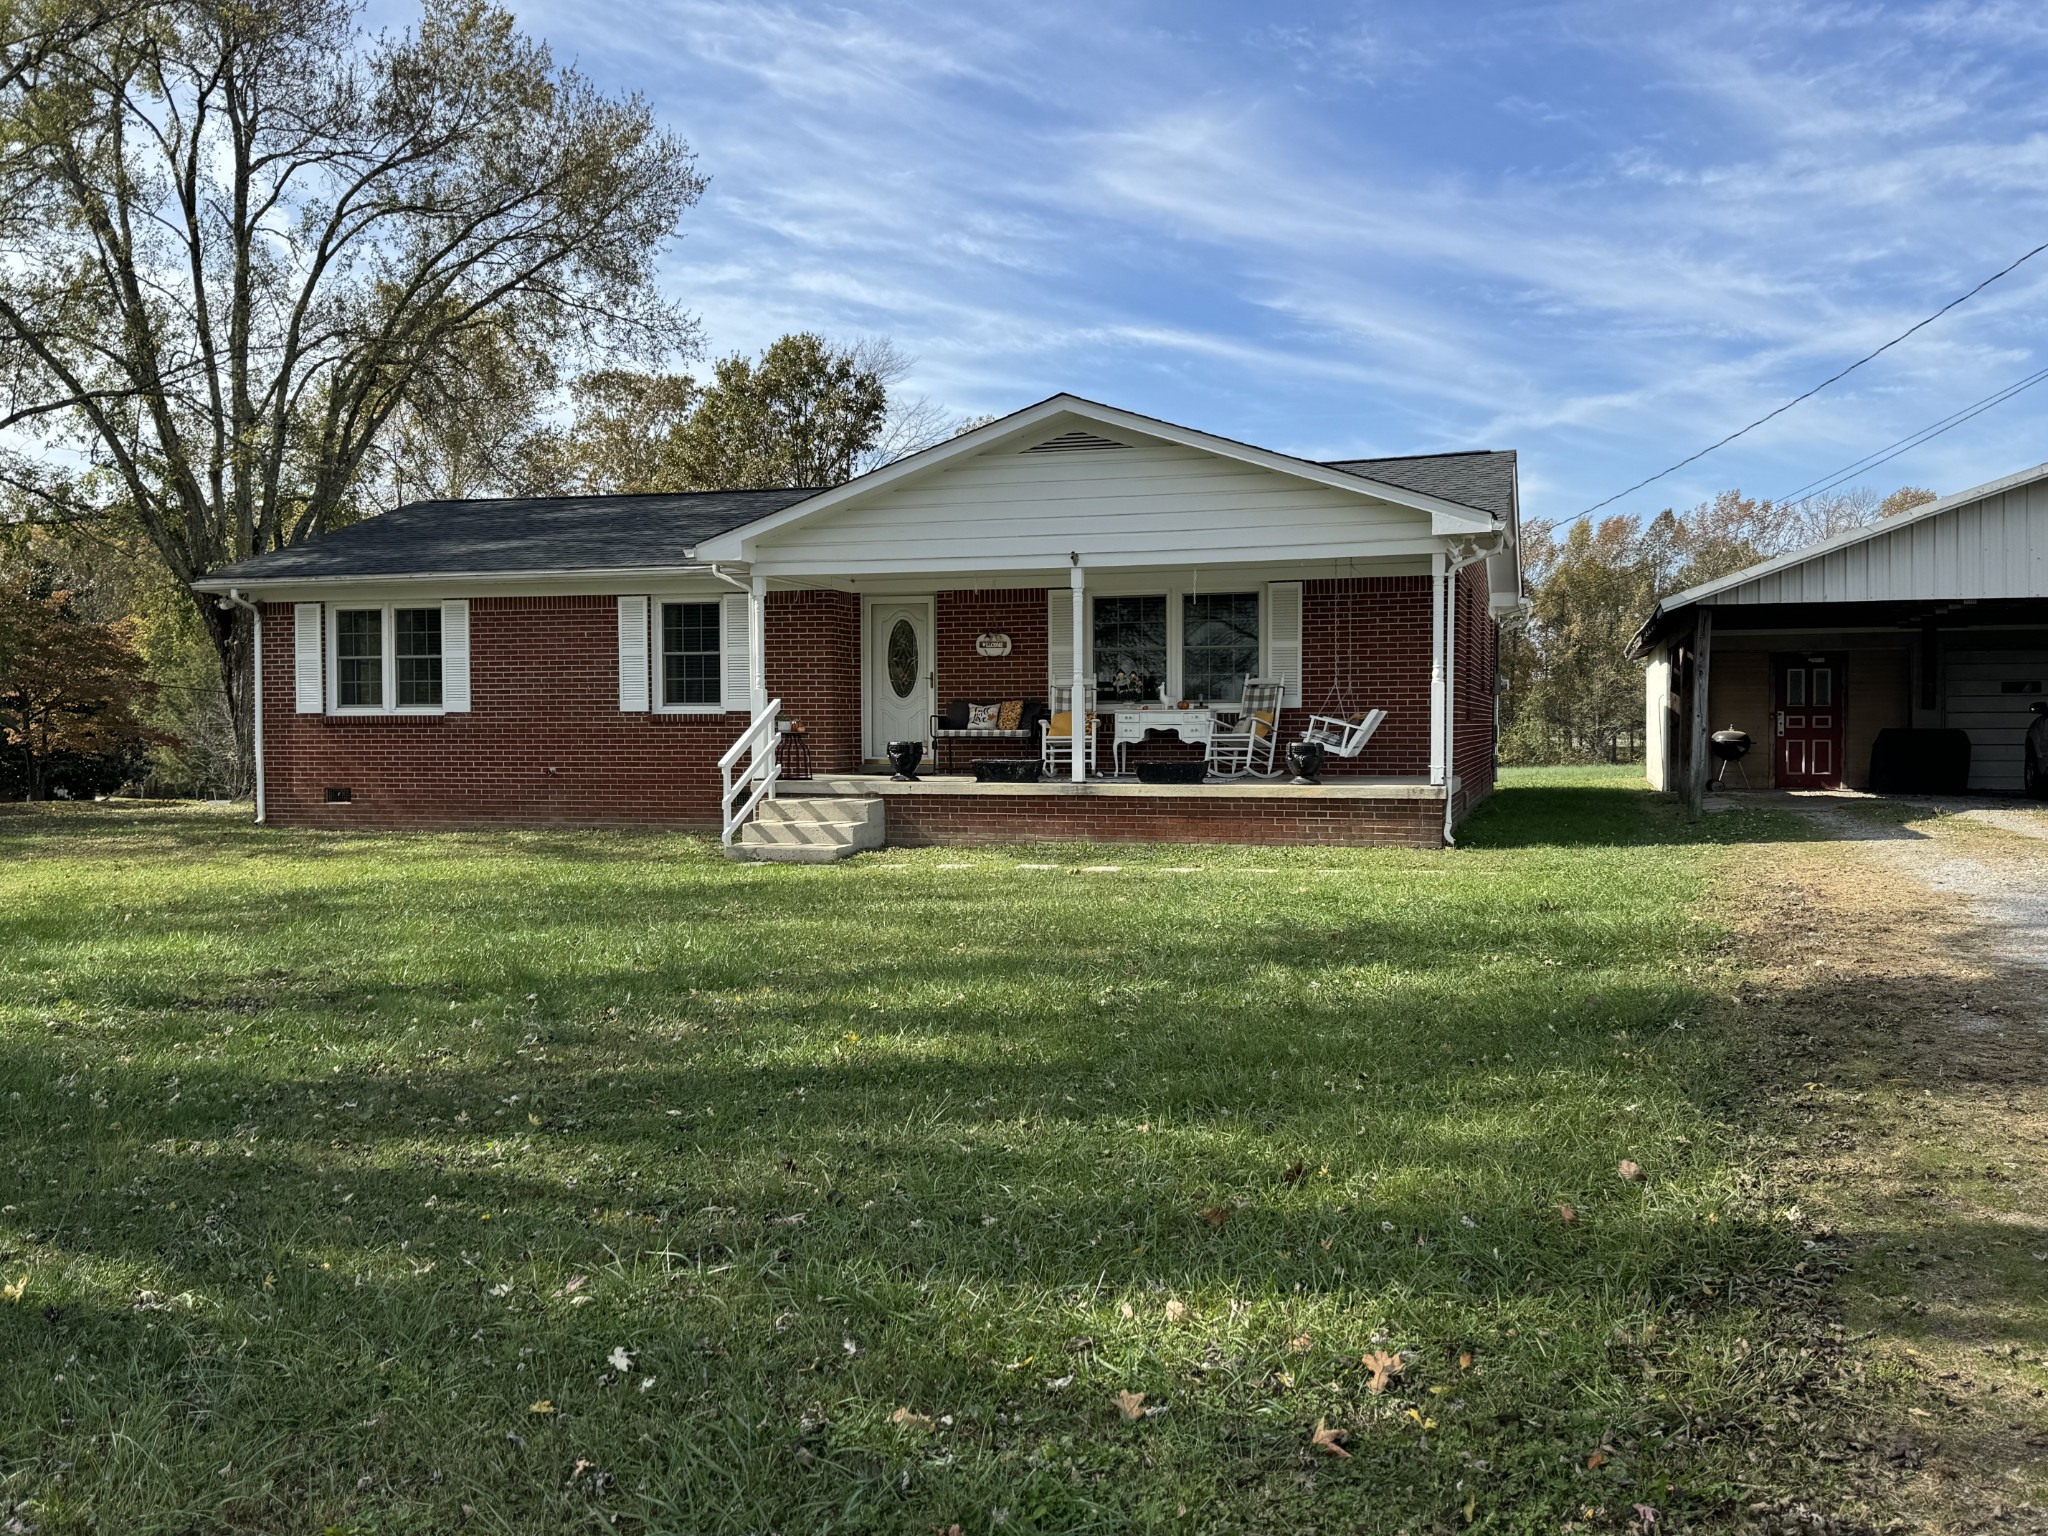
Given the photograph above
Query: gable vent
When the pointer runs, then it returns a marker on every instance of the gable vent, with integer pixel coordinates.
(1075, 442)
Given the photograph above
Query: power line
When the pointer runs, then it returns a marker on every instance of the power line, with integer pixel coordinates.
(1824, 383)
(1890, 451)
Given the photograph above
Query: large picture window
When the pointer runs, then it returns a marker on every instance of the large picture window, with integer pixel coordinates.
(1130, 648)
(1219, 645)
(691, 662)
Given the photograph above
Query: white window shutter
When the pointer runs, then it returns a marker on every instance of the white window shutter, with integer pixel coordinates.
(455, 655)
(309, 678)
(633, 655)
(739, 677)
(1059, 638)
(1283, 638)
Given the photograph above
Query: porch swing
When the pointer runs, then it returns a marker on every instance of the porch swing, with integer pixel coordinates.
(1342, 733)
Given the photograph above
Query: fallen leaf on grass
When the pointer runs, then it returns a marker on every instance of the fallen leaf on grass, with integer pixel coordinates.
(1465, 1360)
(1131, 1404)
(1646, 1516)
(1176, 1311)
(1216, 1215)
(1565, 1213)
(619, 1360)
(543, 1406)
(1384, 1367)
(15, 1291)
(904, 1417)
(1329, 1440)
(1628, 1171)
(1301, 1343)
(572, 1285)
(1597, 1460)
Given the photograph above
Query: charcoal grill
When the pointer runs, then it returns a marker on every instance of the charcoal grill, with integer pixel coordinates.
(1730, 747)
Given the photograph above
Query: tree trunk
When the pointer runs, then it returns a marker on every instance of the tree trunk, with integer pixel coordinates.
(233, 631)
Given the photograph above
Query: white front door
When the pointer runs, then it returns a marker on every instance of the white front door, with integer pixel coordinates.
(899, 669)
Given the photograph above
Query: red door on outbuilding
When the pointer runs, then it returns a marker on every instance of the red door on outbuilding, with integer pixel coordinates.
(1807, 726)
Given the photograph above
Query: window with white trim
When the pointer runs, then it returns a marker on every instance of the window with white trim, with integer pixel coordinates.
(1219, 645)
(692, 658)
(387, 659)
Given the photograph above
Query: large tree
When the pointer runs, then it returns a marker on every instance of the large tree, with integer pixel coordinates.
(1572, 693)
(68, 687)
(237, 239)
(806, 412)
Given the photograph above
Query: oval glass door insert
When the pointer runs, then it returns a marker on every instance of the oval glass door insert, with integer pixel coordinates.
(903, 658)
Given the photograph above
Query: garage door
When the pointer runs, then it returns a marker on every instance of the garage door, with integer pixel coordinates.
(1990, 695)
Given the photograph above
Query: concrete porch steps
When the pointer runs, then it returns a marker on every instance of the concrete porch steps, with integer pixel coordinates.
(820, 830)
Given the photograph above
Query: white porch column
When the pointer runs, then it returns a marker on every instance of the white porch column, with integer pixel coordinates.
(757, 645)
(1078, 706)
(1438, 770)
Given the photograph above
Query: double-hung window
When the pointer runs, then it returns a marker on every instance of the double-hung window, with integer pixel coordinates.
(1130, 648)
(1219, 644)
(387, 658)
(691, 660)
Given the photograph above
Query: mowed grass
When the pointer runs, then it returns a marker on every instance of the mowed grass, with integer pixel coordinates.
(341, 1169)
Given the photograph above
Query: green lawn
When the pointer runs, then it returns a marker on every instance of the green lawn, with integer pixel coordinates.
(341, 1168)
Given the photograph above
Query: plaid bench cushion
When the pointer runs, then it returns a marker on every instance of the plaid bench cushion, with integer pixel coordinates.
(986, 730)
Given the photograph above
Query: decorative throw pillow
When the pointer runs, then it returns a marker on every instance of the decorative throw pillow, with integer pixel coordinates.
(1010, 715)
(1261, 723)
(982, 717)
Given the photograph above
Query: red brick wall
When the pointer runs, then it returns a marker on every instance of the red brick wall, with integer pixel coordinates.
(544, 739)
(814, 668)
(925, 820)
(963, 672)
(1365, 645)
(1478, 659)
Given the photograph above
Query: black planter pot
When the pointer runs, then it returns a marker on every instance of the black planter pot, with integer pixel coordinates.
(1172, 773)
(1306, 759)
(904, 756)
(1007, 770)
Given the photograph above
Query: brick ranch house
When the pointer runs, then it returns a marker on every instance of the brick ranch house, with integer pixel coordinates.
(590, 659)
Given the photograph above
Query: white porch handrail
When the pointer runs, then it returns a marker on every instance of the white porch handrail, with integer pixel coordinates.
(761, 771)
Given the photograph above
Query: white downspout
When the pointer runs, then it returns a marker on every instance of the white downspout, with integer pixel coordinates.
(1437, 774)
(236, 600)
(1450, 698)
(1078, 704)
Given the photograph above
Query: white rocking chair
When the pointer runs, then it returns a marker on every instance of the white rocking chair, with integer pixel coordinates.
(1056, 748)
(1245, 745)
(1340, 737)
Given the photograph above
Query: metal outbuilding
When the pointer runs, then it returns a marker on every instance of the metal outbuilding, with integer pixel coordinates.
(1936, 619)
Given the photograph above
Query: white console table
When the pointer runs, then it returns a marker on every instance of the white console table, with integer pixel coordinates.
(1194, 724)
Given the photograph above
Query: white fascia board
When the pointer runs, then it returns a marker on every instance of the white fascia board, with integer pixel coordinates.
(1446, 517)
(1055, 566)
(458, 583)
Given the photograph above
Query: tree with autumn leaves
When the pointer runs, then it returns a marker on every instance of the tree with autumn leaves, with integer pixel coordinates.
(70, 692)
(1572, 695)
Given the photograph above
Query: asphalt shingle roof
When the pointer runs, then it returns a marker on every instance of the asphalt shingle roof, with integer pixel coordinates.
(517, 535)
(1484, 480)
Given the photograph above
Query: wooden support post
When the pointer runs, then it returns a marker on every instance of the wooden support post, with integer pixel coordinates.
(1696, 721)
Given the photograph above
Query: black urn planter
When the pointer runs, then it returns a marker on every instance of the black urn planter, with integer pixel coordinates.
(1173, 772)
(904, 756)
(1306, 759)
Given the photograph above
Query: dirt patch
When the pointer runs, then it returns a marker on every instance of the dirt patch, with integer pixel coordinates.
(1896, 998)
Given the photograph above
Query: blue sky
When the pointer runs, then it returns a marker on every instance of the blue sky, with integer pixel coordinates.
(1601, 233)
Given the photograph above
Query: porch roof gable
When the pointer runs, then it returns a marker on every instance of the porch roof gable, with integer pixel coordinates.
(1369, 480)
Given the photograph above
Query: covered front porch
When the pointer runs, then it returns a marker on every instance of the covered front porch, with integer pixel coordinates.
(937, 809)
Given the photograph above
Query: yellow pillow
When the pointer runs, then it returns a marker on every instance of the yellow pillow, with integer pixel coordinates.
(1011, 715)
(1062, 724)
(1261, 722)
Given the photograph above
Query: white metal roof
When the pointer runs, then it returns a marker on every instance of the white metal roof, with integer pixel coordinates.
(1990, 541)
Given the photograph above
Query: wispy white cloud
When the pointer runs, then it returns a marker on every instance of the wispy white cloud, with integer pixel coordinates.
(1600, 232)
